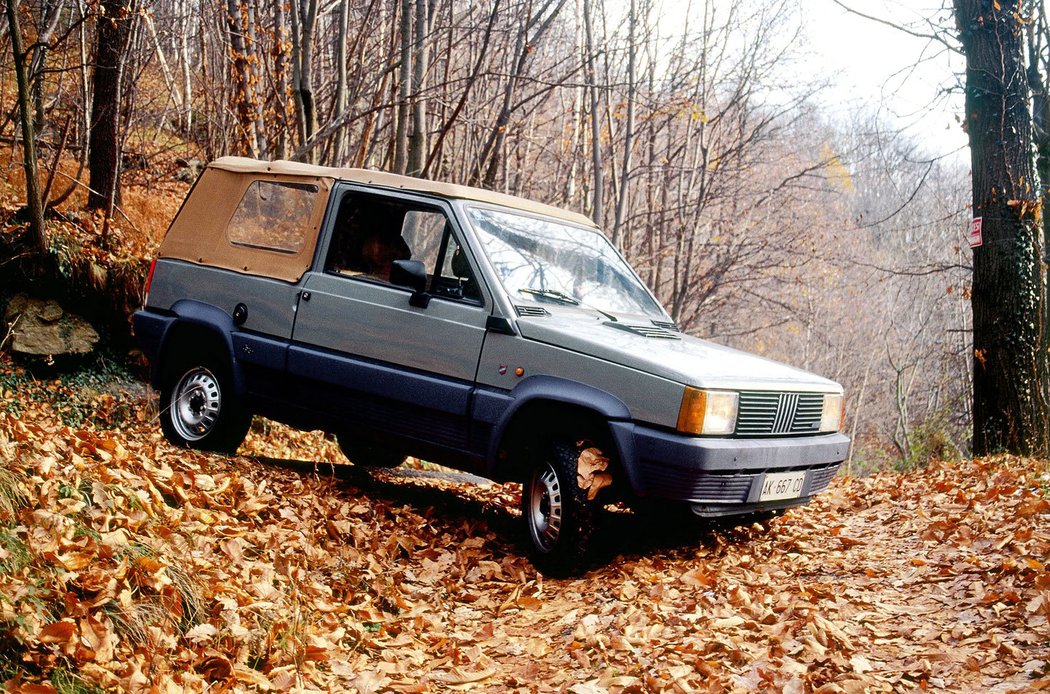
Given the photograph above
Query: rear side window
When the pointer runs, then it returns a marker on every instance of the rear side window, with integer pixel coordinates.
(273, 216)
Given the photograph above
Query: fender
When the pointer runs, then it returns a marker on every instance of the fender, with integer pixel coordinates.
(212, 319)
(501, 409)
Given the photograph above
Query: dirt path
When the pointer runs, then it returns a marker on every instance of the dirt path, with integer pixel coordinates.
(129, 564)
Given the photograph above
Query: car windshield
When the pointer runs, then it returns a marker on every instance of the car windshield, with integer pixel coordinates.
(548, 261)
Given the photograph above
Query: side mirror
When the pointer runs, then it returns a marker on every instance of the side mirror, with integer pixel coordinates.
(411, 274)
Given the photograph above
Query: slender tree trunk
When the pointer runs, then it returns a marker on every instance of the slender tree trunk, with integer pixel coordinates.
(279, 55)
(236, 19)
(25, 111)
(84, 123)
(417, 142)
(596, 128)
(404, 87)
(1010, 405)
(186, 117)
(304, 22)
(628, 137)
(258, 129)
(114, 28)
(341, 77)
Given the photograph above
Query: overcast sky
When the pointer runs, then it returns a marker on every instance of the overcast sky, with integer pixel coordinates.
(906, 79)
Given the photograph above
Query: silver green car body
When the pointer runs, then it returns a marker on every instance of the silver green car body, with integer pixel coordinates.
(468, 371)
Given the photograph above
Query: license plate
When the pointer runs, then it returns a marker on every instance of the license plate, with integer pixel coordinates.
(782, 485)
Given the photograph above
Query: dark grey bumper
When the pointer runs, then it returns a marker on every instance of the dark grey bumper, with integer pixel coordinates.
(720, 476)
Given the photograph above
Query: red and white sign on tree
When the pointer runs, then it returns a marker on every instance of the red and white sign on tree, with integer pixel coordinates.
(975, 237)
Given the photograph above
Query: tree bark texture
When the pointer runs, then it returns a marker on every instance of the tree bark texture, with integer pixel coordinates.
(417, 140)
(596, 130)
(114, 28)
(404, 88)
(304, 23)
(236, 21)
(1010, 404)
(36, 212)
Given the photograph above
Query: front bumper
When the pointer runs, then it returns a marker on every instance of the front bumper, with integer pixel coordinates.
(724, 476)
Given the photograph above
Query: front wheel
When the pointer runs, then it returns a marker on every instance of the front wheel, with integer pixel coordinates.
(559, 517)
(199, 408)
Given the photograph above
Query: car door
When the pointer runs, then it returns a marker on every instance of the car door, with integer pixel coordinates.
(373, 363)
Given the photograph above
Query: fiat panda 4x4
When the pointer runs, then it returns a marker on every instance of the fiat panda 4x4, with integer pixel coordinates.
(473, 329)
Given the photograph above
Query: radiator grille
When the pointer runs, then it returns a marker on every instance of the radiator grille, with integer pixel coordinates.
(778, 414)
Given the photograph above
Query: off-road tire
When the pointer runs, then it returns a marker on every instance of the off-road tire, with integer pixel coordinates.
(559, 519)
(198, 406)
(367, 455)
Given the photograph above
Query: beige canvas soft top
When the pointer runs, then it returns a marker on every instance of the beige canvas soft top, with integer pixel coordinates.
(201, 231)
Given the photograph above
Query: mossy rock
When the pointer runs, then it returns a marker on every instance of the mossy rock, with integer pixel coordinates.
(41, 327)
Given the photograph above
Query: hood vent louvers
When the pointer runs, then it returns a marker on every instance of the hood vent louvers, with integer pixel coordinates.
(650, 331)
(531, 311)
(666, 325)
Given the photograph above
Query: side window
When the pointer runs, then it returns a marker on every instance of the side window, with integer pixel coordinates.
(367, 238)
(455, 279)
(372, 232)
(424, 231)
(273, 216)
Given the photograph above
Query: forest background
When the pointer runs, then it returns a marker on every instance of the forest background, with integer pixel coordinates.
(698, 138)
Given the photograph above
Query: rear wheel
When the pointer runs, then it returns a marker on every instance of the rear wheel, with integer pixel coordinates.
(559, 517)
(198, 406)
(367, 455)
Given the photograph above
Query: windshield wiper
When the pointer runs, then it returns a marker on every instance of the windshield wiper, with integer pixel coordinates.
(551, 294)
(561, 298)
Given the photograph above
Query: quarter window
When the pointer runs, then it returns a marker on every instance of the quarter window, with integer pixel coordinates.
(273, 216)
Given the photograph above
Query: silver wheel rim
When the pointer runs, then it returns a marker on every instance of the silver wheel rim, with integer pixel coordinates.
(544, 512)
(195, 404)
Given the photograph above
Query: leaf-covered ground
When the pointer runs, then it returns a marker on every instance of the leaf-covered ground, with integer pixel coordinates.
(126, 564)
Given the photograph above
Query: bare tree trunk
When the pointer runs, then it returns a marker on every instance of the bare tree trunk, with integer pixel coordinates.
(186, 116)
(1010, 409)
(84, 124)
(596, 128)
(25, 106)
(258, 128)
(279, 55)
(628, 137)
(404, 89)
(236, 21)
(304, 22)
(417, 142)
(340, 86)
(114, 28)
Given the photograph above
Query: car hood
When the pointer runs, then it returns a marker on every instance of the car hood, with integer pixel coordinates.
(639, 344)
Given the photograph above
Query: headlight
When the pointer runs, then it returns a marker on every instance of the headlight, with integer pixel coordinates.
(833, 414)
(707, 412)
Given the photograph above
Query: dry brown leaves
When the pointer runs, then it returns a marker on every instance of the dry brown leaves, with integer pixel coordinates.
(135, 566)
